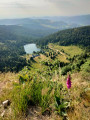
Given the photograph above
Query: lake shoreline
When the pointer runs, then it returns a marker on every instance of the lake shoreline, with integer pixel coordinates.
(30, 48)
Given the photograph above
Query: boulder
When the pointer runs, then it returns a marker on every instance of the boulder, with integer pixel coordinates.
(6, 103)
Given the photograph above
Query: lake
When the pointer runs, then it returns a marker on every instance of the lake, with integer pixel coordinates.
(29, 48)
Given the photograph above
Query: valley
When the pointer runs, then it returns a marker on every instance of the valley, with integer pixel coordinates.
(33, 77)
(42, 80)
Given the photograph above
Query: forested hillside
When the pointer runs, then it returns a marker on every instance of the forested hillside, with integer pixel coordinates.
(28, 30)
(14, 33)
(76, 36)
(35, 84)
(11, 44)
(11, 50)
(35, 27)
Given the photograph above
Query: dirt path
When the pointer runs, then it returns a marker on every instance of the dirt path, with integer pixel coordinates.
(34, 113)
(58, 51)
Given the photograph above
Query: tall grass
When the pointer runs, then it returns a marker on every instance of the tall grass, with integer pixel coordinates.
(37, 93)
(20, 98)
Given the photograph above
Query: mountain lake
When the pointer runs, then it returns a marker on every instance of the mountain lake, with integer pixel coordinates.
(30, 48)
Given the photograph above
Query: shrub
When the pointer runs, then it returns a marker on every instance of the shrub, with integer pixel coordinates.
(60, 106)
(86, 66)
(23, 78)
(66, 69)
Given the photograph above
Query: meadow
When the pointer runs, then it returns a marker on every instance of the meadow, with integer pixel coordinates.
(39, 90)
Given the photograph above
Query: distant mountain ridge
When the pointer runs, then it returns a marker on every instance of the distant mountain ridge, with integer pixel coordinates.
(82, 20)
(37, 23)
(75, 36)
(38, 27)
(34, 28)
(25, 31)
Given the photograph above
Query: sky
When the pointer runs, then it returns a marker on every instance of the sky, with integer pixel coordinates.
(30, 8)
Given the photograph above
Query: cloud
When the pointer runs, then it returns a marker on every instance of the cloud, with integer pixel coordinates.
(21, 5)
(69, 2)
(72, 7)
(62, 4)
(43, 7)
(15, 5)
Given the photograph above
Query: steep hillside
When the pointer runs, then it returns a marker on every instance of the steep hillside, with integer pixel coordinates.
(76, 36)
(11, 50)
(14, 32)
(39, 91)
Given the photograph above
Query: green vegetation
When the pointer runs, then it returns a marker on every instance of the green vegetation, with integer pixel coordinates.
(40, 82)
(36, 28)
(11, 46)
(43, 84)
(77, 36)
(68, 50)
(86, 66)
(11, 50)
(44, 93)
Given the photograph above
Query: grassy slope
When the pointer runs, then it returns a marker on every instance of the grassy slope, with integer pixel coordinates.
(79, 104)
(79, 84)
(71, 50)
(6, 82)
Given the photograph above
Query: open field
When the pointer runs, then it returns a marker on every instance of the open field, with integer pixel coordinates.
(69, 50)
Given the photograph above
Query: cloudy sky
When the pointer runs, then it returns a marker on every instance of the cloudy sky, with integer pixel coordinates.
(28, 8)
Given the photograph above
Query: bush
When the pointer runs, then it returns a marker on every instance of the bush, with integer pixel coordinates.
(24, 77)
(60, 106)
(65, 70)
(86, 66)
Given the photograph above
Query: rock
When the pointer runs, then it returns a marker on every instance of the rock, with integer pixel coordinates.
(6, 103)
(3, 113)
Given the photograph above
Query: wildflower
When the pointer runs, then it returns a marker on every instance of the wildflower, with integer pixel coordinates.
(68, 82)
